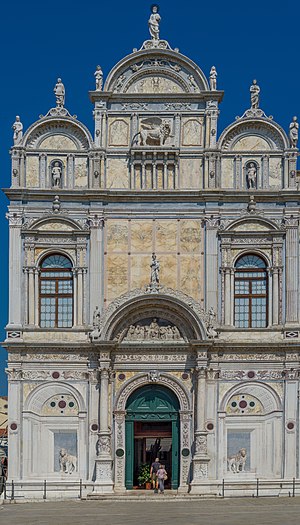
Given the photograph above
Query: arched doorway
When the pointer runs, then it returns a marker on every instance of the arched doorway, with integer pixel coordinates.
(152, 430)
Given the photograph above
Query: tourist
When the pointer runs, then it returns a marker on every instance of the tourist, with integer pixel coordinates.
(161, 476)
(153, 473)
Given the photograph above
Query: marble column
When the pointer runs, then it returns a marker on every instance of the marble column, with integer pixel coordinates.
(31, 294)
(275, 296)
(16, 299)
(227, 296)
(80, 296)
(200, 459)
(103, 481)
(290, 423)
(292, 270)
(96, 223)
(211, 260)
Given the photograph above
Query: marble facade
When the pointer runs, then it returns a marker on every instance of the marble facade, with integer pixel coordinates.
(155, 177)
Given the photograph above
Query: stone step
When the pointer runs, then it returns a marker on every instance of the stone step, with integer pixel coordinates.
(141, 495)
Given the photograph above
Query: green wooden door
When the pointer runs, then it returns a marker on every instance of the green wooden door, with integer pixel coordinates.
(151, 403)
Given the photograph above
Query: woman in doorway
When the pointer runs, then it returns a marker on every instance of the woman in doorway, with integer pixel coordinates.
(161, 476)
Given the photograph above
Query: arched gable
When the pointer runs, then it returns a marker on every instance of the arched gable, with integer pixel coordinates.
(253, 134)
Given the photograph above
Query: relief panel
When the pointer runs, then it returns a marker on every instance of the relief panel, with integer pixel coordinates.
(155, 84)
(117, 174)
(190, 276)
(142, 236)
(58, 142)
(117, 275)
(190, 236)
(118, 132)
(190, 174)
(275, 172)
(227, 173)
(166, 236)
(32, 172)
(81, 179)
(192, 134)
(251, 143)
(117, 236)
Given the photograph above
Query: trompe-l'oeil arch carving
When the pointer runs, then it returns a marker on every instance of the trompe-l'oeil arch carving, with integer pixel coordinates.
(171, 310)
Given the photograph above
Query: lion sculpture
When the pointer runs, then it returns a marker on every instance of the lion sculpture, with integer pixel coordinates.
(158, 133)
(67, 462)
(236, 463)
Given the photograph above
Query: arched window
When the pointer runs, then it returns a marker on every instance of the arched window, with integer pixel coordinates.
(250, 292)
(56, 292)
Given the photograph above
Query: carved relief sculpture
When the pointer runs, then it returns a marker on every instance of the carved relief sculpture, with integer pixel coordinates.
(236, 463)
(153, 132)
(59, 91)
(213, 78)
(67, 462)
(294, 130)
(254, 95)
(154, 22)
(152, 331)
(98, 78)
(18, 130)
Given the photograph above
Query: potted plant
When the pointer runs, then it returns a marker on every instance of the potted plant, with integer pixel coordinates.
(144, 477)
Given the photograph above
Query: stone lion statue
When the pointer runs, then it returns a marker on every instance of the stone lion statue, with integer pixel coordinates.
(67, 462)
(236, 463)
(158, 133)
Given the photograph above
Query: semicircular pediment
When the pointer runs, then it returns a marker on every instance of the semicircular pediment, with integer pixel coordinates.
(57, 134)
(156, 71)
(253, 135)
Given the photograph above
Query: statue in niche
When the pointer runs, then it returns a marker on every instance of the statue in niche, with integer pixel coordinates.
(254, 95)
(98, 78)
(96, 318)
(251, 175)
(67, 462)
(59, 91)
(237, 462)
(154, 22)
(213, 78)
(18, 130)
(294, 130)
(56, 173)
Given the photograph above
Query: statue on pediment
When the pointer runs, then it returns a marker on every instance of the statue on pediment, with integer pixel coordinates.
(98, 78)
(213, 78)
(294, 131)
(254, 95)
(59, 91)
(18, 130)
(154, 22)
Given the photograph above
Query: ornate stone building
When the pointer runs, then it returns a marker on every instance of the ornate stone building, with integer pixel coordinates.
(154, 286)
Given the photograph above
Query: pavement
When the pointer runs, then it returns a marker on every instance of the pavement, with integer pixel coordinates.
(235, 511)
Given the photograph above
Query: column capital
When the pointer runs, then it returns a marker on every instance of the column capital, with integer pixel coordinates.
(15, 219)
(95, 221)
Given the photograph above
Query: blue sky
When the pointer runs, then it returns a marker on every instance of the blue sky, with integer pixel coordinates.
(41, 41)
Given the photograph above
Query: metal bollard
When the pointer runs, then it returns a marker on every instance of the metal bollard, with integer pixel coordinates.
(257, 485)
(223, 488)
(12, 496)
(45, 490)
(80, 489)
(294, 487)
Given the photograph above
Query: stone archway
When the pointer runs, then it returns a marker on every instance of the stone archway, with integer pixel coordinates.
(185, 417)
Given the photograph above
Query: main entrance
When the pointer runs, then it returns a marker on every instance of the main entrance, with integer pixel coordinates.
(152, 430)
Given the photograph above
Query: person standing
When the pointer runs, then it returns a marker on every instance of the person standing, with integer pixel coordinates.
(153, 473)
(161, 476)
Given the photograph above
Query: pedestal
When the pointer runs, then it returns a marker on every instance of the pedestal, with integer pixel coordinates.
(103, 482)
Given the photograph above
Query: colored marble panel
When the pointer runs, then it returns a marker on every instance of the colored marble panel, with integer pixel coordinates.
(190, 276)
(190, 236)
(141, 236)
(117, 174)
(32, 172)
(117, 275)
(166, 236)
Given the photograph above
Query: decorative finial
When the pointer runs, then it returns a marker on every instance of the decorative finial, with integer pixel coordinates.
(59, 91)
(99, 78)
(154, 21)
(251, 205)
(56, 204)
(294, 129)
(254, 95)
(18, 130)
(213, 78)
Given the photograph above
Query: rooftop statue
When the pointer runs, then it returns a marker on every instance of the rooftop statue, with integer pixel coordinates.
(18, 130)
(153, 22)
(294, 130)
(59, 91)
(99, 78)
(254, 94)
(213, 78)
